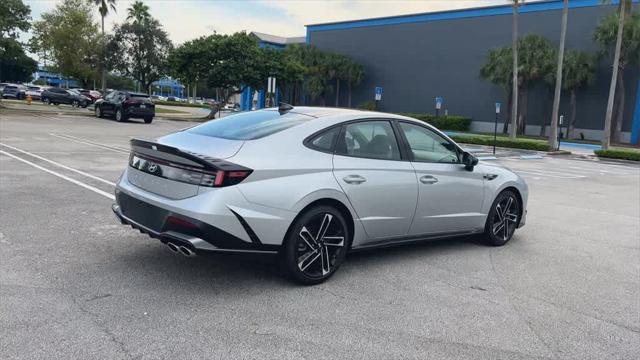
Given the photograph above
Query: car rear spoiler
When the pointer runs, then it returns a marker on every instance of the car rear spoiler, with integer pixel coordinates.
(170, 154)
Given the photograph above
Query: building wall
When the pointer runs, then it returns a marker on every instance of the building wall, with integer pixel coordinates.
(415, 61)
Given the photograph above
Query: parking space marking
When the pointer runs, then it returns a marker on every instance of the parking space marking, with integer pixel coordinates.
(60, 165)
(540, 173)
(90, 143)
(64, 177)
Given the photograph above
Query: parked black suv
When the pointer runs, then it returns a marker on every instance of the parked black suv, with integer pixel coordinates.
(124, 105)
(57, 96)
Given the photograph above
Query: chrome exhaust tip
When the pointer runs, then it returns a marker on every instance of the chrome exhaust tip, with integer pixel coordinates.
(173, 247)
(186, 251)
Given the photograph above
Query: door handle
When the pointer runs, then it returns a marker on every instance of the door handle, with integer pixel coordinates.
(428, 179)
(354, 179)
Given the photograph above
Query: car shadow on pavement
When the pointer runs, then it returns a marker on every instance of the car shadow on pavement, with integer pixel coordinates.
(225, 272)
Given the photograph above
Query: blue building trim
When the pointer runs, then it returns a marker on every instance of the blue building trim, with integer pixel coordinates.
(454, 14)
(635, 124)
(261, 99)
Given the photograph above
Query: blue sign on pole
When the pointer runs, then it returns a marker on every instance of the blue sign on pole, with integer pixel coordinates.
(439, 101)
(498, 108)
(378, 93)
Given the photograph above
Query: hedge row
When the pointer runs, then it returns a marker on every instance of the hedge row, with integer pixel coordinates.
(625, 154)
(450, 122)
(178, 103)
(519, 143)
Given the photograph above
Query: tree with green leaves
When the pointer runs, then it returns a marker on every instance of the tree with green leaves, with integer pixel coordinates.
(104, 7)
(578, 71)
(553, 134)
(498, 71)
(138, 12)
(66, 35)
(514, 68)
(619, 36)
(140, 48)
(15, 65)
(354, 76)
(536, 63)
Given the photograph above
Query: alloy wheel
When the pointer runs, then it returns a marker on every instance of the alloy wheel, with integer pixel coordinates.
(320, 245)
(505, 218)
(75, 103)
(98, 111)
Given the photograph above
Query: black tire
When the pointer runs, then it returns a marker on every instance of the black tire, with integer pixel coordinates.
(98, 112)
(120, 117)
(75, 103)
(316, 257)
(503, 218)
(148, 120)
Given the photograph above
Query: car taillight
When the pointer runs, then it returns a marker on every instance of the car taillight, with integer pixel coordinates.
(224, 178)
(188, 174)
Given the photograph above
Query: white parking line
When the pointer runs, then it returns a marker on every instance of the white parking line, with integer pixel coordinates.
(90, 143)
(64, 177)
(60, 165)
(540, 173)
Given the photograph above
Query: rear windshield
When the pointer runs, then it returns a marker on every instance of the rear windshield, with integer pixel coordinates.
(249, 125)
(138, 96)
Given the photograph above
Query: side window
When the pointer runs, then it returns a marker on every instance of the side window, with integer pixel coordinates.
(428, 146)
(369, 139)
(110, 96)
(325, 140)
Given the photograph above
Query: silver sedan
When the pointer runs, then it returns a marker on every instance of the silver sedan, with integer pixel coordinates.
(311, 184)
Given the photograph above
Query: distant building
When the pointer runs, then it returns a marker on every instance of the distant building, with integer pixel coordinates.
(54, 79)
(168, 86)
(418, 57)
(251, 99)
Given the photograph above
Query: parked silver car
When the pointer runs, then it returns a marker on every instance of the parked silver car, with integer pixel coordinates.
(311, 184)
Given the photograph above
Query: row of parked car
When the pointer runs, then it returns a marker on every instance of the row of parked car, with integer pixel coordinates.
(50, 95)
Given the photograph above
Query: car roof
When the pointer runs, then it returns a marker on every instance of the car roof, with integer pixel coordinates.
(343, 114)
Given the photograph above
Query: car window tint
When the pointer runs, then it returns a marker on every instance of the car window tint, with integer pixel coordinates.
(250, 125)
(428, 146)
(369, 139)
(325, 140)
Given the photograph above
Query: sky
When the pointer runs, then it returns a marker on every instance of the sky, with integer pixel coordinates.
(188, 19)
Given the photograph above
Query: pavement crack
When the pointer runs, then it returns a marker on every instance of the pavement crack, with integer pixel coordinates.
(96, 321)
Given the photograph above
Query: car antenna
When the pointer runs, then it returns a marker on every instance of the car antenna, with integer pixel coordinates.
(284, 108)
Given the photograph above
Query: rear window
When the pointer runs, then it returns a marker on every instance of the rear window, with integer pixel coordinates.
(144, 96)
(250, 125)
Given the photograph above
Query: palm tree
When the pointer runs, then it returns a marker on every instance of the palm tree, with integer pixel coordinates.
(606, 137)
(103, 8)
(579, 71)
(553, 134)
(355, 75)
(514, 87)
(138, 12)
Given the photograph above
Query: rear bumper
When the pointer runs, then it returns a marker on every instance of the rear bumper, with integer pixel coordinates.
(197, 236)
(140, 113)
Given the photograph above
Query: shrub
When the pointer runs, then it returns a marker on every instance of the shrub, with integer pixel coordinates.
(625, 154)
(520, 143)
(367, 105)
(450, 122)
(177, 103)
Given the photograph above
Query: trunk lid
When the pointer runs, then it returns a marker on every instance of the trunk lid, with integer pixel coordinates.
(173, 166)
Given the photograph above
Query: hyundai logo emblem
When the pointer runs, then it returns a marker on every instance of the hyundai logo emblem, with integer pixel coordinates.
(152, 167)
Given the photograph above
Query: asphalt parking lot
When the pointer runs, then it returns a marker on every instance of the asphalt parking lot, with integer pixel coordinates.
(75, 284)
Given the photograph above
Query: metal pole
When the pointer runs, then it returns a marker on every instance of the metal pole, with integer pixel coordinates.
(495, 134)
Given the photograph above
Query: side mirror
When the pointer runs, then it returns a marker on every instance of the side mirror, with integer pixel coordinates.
(469, 161)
